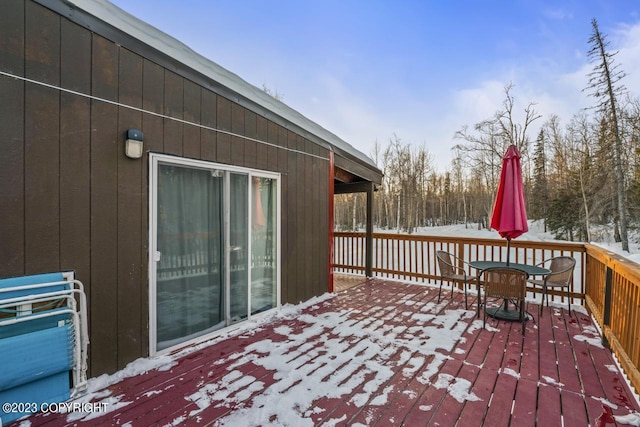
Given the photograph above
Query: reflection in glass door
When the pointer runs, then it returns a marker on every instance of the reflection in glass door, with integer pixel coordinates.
(214, 248)
(190, 270)
(264, 229)
(238, 247)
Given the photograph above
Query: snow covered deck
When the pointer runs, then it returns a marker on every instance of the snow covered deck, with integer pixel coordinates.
(383, 353)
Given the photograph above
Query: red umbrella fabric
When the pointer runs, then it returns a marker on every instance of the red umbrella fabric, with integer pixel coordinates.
(509, 213)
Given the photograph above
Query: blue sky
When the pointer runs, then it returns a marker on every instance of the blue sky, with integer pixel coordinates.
(369, 69)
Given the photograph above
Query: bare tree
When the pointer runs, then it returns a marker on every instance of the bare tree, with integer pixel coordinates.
(604, 84)
(483, 149)
(579, 135)
(272, 93)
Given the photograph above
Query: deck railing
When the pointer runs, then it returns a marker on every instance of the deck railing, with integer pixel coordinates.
(608, 285)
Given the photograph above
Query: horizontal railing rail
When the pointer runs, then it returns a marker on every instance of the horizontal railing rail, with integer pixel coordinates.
(607, 284)
(413, 257)
(613, 297)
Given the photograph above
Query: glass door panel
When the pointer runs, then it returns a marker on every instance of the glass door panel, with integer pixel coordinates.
(263, 244)
(190, 272)
(214, 250)
(238, 246)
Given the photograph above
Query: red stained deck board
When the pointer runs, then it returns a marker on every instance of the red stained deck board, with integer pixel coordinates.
(615, 389)
(496, 349)
(393, 393)
(586, 369)
(449, 410)
(344, 407)
(574, 411)
(192, 365)
(474, 412)
(548, 367)
(529, 362)
(524, 408)
(389, 392)
(429, 402)
(567, 373)
(499, 411)
(159, 407)
(477, 354)
(347, 409)
(513, 351)
(406, 400)
(549, 406)
(395, 311)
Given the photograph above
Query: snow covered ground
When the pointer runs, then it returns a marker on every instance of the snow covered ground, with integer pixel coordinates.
(602, 236)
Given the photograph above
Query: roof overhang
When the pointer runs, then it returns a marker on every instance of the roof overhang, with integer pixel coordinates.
(113, 23)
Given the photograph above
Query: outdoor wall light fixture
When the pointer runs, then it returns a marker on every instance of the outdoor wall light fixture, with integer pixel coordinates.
(133, 144)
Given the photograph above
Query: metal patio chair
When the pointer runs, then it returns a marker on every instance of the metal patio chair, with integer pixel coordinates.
(560, 277)
(509, 285)
(453, 273)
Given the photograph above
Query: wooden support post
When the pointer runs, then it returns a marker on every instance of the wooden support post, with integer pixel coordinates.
(606, 320)
(331, 219)
(368, 265)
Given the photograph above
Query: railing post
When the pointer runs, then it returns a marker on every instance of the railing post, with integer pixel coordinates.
(331, 253)
(368, 263)
(460, 255)
(606, 321)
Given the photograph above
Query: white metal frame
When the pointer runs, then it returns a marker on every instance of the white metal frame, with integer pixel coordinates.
(79, 314)
(154, 256)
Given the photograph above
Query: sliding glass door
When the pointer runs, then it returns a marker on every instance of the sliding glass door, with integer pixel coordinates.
(213, 248)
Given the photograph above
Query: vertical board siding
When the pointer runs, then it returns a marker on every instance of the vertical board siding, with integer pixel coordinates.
(75, 137)
(224, 123)
(208, 144)
(287, 139)
(153, 100)
(237, 143)
(192, 106)
(319, 222)
(262, 134)
(173, 107)
(152, 126)
(130, 235)
(71, 199)
(105, 147)
(310, 244)
(12, 136)
(42, 121)
(274, 155)
(250, 131)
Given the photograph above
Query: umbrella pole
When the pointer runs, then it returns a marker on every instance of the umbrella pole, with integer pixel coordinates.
(508, 250)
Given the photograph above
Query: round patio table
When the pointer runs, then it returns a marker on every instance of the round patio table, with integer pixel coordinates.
(503, 311)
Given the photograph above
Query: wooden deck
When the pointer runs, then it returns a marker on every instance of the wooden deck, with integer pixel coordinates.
(380, 353)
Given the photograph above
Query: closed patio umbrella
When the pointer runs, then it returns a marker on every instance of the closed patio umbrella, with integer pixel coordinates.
(509, 216)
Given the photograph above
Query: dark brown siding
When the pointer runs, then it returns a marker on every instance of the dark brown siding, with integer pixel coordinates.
(250, 149)
(130, 196)
(191, 133)
(237, 127)
(75, 160)
(262, 134)
(71, 199)
(42, 119)
(12, 136)
(224, 123)
(105, 150)
(173, 107)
